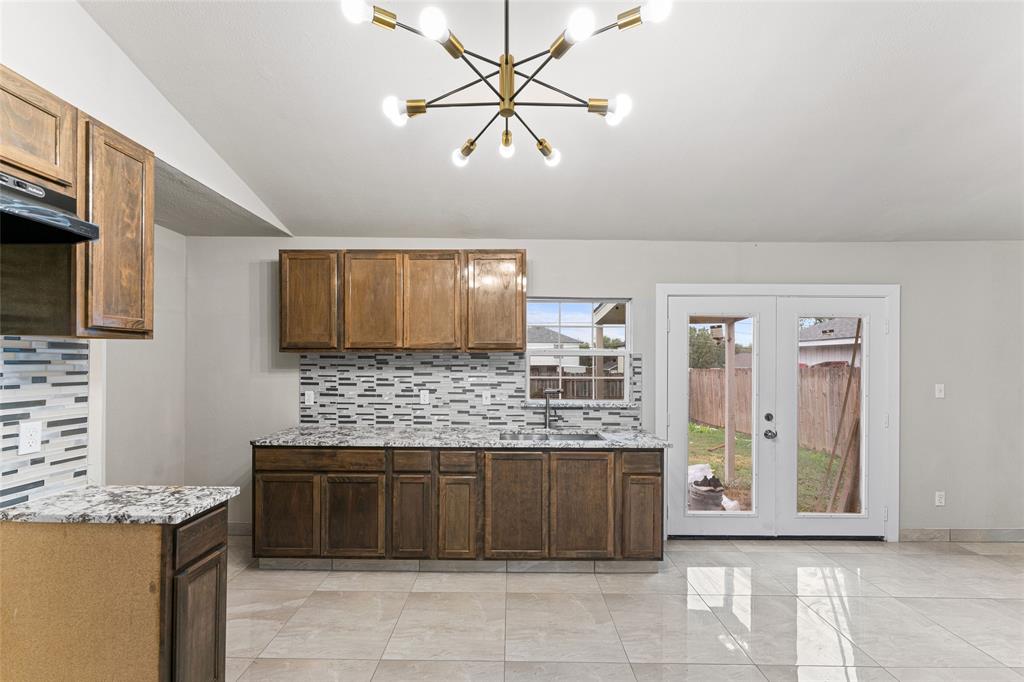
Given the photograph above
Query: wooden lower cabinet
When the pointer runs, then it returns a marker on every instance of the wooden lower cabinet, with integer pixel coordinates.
(515, 505)
(582, 505)
(286, 514)
(641, 516)
(458, 526)
(200, 618)
(412, 516)
(354, 515)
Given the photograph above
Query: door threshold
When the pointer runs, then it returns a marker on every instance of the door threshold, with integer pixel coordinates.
(816, 538)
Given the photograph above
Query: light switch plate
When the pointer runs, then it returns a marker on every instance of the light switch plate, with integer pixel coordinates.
(307, 397)
(940, 498)
(424, 397)
(30, 437)
(485, 397)
(940, 390)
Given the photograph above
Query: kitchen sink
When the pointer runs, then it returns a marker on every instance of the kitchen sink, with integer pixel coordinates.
(549, 436)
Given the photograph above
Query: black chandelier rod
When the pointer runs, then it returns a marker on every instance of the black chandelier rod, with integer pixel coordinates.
(550, 104)
(532, 76)
(604, 28)
(450, 105)
(484, 129)
(481, 76)
(482, 58)
(552, 87)
(528, 129)
(409, 28)
(506, 26)
(460, 88)
(532, 57)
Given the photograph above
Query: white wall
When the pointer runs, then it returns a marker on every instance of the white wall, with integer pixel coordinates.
(145, 382)
(962, 324)
(58, 46)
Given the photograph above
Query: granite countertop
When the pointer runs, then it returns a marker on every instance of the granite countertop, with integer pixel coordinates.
(152, 504)
(451, 437)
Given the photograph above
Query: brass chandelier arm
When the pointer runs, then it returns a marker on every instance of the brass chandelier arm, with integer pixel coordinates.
(461, 88)
(481, 76)
(532, 76)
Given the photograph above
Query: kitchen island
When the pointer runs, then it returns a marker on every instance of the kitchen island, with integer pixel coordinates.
(115, 582)
(462, 494)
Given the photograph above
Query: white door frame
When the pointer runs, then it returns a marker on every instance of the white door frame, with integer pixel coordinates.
(889, 292)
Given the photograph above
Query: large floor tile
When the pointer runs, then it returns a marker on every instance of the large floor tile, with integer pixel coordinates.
(894, 634)
(529, 671)
(994, 626)
(804, 673)
(267, 579)
(987, 548)
(730, 580)
(256, 616)
(639, 583)
(849, 546)
(669, 628)
(684, 560)
(666, 672)
(790, 560)
(773, 546)
(339, 625)
(234, 667)
(286, 670)
(553, 582)
(954, 674)
(935, 585)
(926, 548)
(700, 546)
(459, 582)
(560, 627)
(369, 581)
(468, 626)
(826, 581)
(439, 671)
(776, 630)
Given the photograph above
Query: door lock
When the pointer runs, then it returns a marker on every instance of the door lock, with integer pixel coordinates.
(768, 416)
(770, 434)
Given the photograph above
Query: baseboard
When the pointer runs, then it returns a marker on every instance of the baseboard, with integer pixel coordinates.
(240, 529)
(962, 535)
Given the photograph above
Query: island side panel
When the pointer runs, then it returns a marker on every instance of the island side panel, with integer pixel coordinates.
(87, 593)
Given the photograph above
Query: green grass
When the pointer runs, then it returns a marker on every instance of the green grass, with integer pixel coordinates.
(707, 447)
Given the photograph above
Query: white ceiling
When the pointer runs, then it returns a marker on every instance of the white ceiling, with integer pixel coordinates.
(753, 121)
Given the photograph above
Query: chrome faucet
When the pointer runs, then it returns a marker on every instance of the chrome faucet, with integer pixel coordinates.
(548, 392)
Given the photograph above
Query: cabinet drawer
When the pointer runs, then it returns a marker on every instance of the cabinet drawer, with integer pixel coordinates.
(458, 461)
(411, 460)
(641, 462)
(200, 535)
(318, 459)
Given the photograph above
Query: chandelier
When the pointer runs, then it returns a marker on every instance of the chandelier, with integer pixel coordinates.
(433, 26)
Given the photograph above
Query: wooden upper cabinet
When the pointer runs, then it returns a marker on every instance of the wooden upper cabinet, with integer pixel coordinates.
(433, 299)
(495, 300)
(310, 300)
(118, 196)
(37, 133)
(373, 299)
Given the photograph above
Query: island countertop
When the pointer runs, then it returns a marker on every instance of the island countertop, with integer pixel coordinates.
(142, 504)
(452, 437)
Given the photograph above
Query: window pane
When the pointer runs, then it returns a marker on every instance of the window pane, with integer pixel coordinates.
(610, 337)
(543, 337)
(577, 389)
(576, 337)
(577, 366)
(542, 312)
(574, 312)
(611, 366)
(609, 389)
(543, 366)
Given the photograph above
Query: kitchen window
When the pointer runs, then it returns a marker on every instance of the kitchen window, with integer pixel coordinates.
(579, 346)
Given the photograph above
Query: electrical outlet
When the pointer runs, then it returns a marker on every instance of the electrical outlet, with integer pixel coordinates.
(485, 397)
(940, 390)
(940, 498)
(30, 437)
(424, 397)
(307, 397)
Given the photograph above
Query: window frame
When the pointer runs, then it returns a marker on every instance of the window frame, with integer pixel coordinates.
(626, 352)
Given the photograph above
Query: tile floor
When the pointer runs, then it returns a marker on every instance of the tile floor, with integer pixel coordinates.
(718, 610)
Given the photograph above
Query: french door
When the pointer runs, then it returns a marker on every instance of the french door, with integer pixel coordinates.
(777, 409)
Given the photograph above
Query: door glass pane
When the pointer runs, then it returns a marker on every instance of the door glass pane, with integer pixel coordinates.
(721, 461)
(829, 414)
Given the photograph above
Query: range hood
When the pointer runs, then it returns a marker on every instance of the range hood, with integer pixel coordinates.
(30, 214)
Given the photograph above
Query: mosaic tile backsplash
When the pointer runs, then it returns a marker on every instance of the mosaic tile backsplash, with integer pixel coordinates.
(379, 389)
(47, 380)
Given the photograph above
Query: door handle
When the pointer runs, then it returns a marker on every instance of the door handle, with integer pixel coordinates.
(770, 434)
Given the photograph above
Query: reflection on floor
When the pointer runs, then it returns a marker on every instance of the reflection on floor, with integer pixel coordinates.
(718, 610)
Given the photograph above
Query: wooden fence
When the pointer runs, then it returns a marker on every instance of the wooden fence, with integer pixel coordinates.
(821, 399)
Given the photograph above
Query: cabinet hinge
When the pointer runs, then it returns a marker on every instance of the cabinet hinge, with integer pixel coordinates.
(886, 325)
(885, 422)
(885, 513)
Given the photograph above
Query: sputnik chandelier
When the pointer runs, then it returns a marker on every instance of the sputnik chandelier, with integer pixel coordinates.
(433, 26)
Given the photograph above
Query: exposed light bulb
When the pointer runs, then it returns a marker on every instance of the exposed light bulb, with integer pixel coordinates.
(507, 151)
(581, 25)
(433, 24)
(654, 11)
(553, 159)
(618, 109)
(458, 159)
(357, 11)
(395, 110)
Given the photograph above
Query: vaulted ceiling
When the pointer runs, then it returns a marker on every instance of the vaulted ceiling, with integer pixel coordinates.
(753, 121)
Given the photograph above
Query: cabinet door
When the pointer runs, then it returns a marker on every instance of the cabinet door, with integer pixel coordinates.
(412, 516)
(37, 132)
(200, 618)
(118, 187)
(515, 505)
(286, 515)
(458, 511)
(353, 515)
(373, 299)
(495, 300)
(641, 517)
(433, 299)
(310, 300)
(582, 505)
